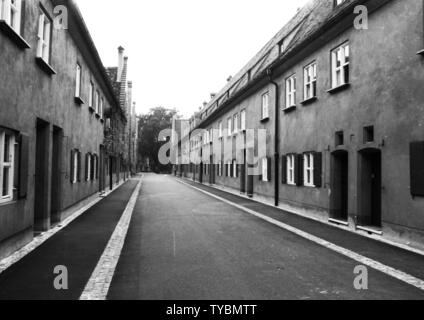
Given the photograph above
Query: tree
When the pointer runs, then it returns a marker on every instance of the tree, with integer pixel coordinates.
(150, 125)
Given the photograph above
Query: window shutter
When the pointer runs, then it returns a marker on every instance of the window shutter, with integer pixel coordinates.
(417, 168)
(268, 169)
(284, 170)
(72, 166)
(299, 170)
(318, 169)
(79, 167)
(23, 166)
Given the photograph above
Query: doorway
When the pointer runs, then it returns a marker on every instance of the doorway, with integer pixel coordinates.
(370, 188)
(339, 185)
(56, 175)
(41, 202)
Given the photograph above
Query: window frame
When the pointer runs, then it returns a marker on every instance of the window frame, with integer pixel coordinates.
(265, 106)
(44, 40)
(230, 126)
(291, 91)
(243, 120)
(78, 80)
(235, 123)
(340, 71)
(291, 171)
(91, 94)
(312, 84)
(264, 169)
(220, 129)
(14, 21)
(10, 165)
(308, 167)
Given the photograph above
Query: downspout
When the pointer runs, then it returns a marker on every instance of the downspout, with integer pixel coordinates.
(276, 139)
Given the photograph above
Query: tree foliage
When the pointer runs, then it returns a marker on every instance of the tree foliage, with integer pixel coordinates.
(150, 125)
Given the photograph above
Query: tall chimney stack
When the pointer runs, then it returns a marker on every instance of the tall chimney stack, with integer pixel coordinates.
(120, 62)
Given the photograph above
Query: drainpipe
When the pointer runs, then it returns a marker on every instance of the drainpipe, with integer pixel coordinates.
(276, 139)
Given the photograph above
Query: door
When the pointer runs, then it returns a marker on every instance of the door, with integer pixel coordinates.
(41, 177)
(370, 188)
(339, 185)
(56, 175)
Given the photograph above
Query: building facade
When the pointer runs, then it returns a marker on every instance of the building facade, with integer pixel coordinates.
(337, 98)
(55, 98)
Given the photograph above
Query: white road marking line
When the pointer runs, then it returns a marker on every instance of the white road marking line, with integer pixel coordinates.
(400, 275)
(38, 241)
(98, 285)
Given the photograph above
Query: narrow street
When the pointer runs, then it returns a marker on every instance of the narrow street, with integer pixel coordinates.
(185, 244)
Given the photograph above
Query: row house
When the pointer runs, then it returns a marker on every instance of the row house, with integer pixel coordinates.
(336, 104)
(55, 100)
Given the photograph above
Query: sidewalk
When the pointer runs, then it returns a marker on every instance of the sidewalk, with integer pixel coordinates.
(400, 259)
(79, 247)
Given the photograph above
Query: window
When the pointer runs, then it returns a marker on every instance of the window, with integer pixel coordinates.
(243, 120)
(97, 101)
(338, 2)
(339, 138)
(235, 169)
(230, 126)
(310, 79)
(235, 123)
(265, 172)
(88, 160)
(220, 133)
(78, 82)
(369, 134)
(93, 172)
(7, 155)
(44, 37)
(91, 95)
(11, 12)
(308, 170)
(265, 106)
(291, 91)
(101, 107)
(291, 169)
(340, 65)
(75, 166)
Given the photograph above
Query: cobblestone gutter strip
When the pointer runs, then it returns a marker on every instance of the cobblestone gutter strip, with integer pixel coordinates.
(39, 240)
(98, 286)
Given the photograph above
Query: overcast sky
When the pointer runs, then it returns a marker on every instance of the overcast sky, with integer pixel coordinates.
(182, 50)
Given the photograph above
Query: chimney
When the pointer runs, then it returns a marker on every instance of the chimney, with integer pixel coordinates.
(205, 104)
(229, 78)
(213, 95)
(120, 62)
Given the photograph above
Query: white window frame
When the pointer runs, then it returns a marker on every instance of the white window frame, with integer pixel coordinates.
(264, 169)
(308, 169)
(338, 71)
(9, 164)
(11, 13)
(243, 120)
(291, 158)
(230, 126)
(96, 101)
(310, 81)
(78, 73)
(234, 168)
(88, 178)
(291, 91)
(75, 177)
(265, 106)
(235, 123)
(101, 108)
(91, 95)
(220, 132)
(94, 156)
(44, 37)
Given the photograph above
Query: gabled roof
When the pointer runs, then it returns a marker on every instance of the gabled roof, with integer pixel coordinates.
(307, 20)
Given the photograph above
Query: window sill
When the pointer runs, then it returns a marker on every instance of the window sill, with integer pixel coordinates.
(45, 66)
(339, 88)
(5, 203)
(79, 101)
(421, 52)
(91, 109)
(265, 120)
(309, 101)
(290, 109)
(13, 35)
(102, 120)
(97, 116)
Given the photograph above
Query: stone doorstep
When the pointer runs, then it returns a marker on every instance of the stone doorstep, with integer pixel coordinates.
(350, 226)
(72, 213)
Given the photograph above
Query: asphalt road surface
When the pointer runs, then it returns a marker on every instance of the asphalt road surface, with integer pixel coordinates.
(184, 244)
